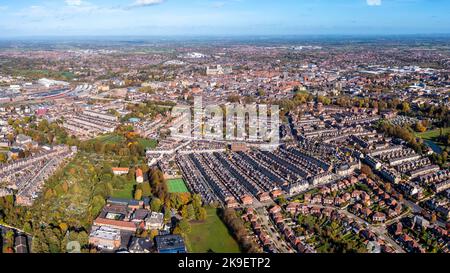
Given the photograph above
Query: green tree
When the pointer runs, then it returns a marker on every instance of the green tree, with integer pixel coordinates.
(155, 204)
(184, 226)
(146, 189)
(197, 201)
(167, 214)
(190, 212)
(202, 214)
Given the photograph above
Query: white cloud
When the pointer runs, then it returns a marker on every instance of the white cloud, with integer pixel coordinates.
(74, 2)
(374, 2)
(144, 3)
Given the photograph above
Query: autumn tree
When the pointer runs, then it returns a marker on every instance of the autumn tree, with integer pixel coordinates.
(155, 204)
(138, 194)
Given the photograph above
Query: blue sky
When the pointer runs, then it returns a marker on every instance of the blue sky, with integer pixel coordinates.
(222, 17)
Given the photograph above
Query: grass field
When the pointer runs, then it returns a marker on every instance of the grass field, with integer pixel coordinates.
(433, 135)
(117, 139)
(177, 186)
(211, 235)
(111, 139)
(126, 192)
(148, 143)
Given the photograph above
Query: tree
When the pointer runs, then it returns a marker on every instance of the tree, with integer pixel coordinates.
(167, 214)
(153, 233)
(27, 227)
(3, 157)
(138, 194)
(146, 189)
(190, 212)
(419, 127)
(155, 204)
(388, 187)
(324, 100)
(83, 238)
(184, 226)
(65, 186)
(433, 218)
(405, 107)
(48, 194)
(64, 227)
(184, 212)
(236, 225)
(196, 201)
(366, 170)
(202, 214)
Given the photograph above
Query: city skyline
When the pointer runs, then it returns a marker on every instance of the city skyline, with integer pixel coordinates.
(227, 17)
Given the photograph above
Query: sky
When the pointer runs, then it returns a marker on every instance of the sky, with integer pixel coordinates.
(222, 17)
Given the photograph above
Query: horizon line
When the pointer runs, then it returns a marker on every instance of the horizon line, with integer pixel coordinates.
(225, 35)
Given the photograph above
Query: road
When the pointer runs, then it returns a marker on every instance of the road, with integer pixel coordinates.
(418, 210)
(280, 244)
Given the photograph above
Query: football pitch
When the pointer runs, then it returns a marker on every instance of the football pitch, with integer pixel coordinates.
(176, 186)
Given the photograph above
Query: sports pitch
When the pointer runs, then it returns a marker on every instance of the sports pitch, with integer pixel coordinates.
(177, 186)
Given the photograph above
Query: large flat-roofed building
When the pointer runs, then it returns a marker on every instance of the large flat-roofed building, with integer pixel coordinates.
(219, 70)
(170, 244)
(115, 224)
(105, 237)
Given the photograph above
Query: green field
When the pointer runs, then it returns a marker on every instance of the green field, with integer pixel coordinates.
(176, 186)
(211, 235)
(432, 137)
(111, 139)
(117, 139)
(126, 192)
(148, 143)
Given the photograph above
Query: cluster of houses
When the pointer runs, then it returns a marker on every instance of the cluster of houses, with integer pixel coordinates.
(438, 180)
(295, 209)
(374, 205)
(287, 232)
(325, 196)
(15, 149)
(398, 164)
(440, 204)
(322, 123)
(405, 232)
(27, 176)
(244, 175)
(88, 123)
(263, 238)
(377, 205)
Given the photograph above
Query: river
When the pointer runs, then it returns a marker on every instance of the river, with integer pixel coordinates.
(436, 148)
